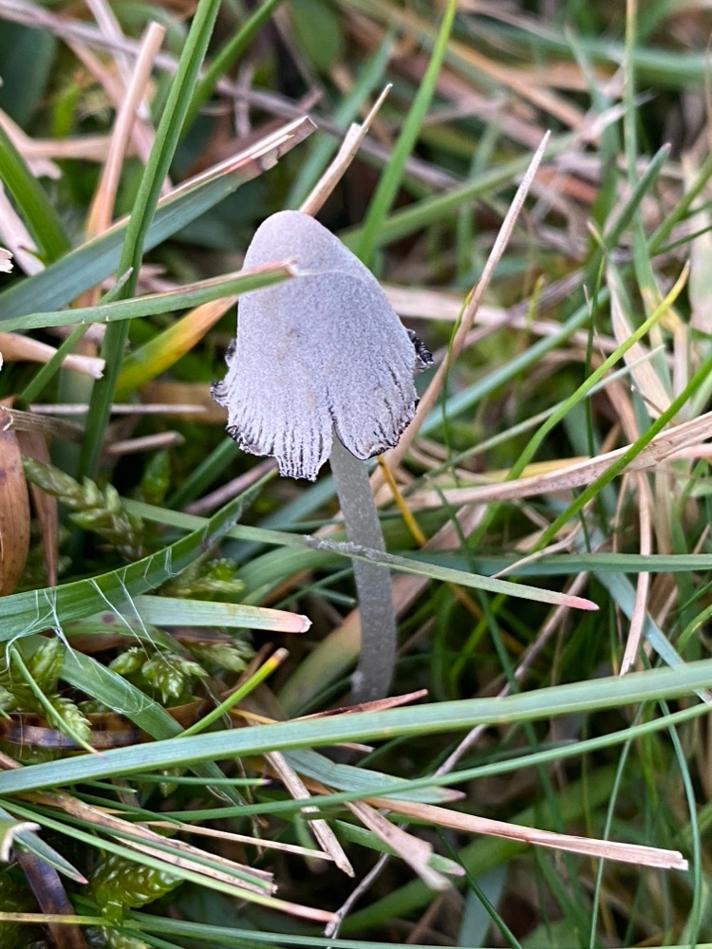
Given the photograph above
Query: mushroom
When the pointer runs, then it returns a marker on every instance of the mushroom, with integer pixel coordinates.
(323, 368)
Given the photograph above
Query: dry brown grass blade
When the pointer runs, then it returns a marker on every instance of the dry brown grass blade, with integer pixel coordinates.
(432, 393)
(69, 29)
(517, 120)
(649, 384)
(18, 239)
(343, 158)
(196, 394)
(413, 851)
(250, 162)
(17, 348)
(625, 410)
(101, 210)
(130, 446)
(257, 158)
(40, 152)
(109, 25)
(34, 445)
(434, 304)
(14, 510)
(666, 446)
(102, 206)
(226, 492)
(424, 303)
(31, 422)
(102, 73)
(187, 863)
(699, 288)
(186, 855)
(642, 586)
(260, 842)
(320, 828)
(117, 82)
(39, 165)
(469, 823)
(117, 408)
(565, 545)
(377, 705)
(95, 332)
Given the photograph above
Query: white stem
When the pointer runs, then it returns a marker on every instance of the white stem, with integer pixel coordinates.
(373, 675)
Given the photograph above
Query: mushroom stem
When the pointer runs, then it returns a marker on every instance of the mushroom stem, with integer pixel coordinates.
(373, 675)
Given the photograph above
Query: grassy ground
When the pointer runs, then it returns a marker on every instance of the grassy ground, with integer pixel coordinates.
(177, 619)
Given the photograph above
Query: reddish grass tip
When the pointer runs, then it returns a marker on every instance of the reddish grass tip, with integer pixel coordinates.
(581, 603)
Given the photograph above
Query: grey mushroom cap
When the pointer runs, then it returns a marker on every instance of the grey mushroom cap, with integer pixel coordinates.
(324, 351)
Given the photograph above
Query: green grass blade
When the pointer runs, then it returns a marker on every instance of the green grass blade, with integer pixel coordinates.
(623, 594)
(201, 477)
(88, 265)
(108, 687)
(153, 304)
(213, 934)
(360, 780)
(144, 207)
(444, 206)
(558, 700)
(537, 439)
(694, 922)
(364, 838)
(101, 843)
(370, 74)
(177, 611)
(38, 212)
(558, 565)
(447, 575)
(112, 690)
(44, 376)
(22, 614)
(423, 568)
(407, 788)
(620, 464)
(225, 59)
(390, 180)
(640, 186)
(28, 840)
(63, 281)
(671, 69)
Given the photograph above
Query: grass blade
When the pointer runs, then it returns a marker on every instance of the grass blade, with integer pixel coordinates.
(63, 281)
(39, 214)
(390, 180)
(367, 726)
(23, 614)
(152, 304)
(225, 59)
(157, 167)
